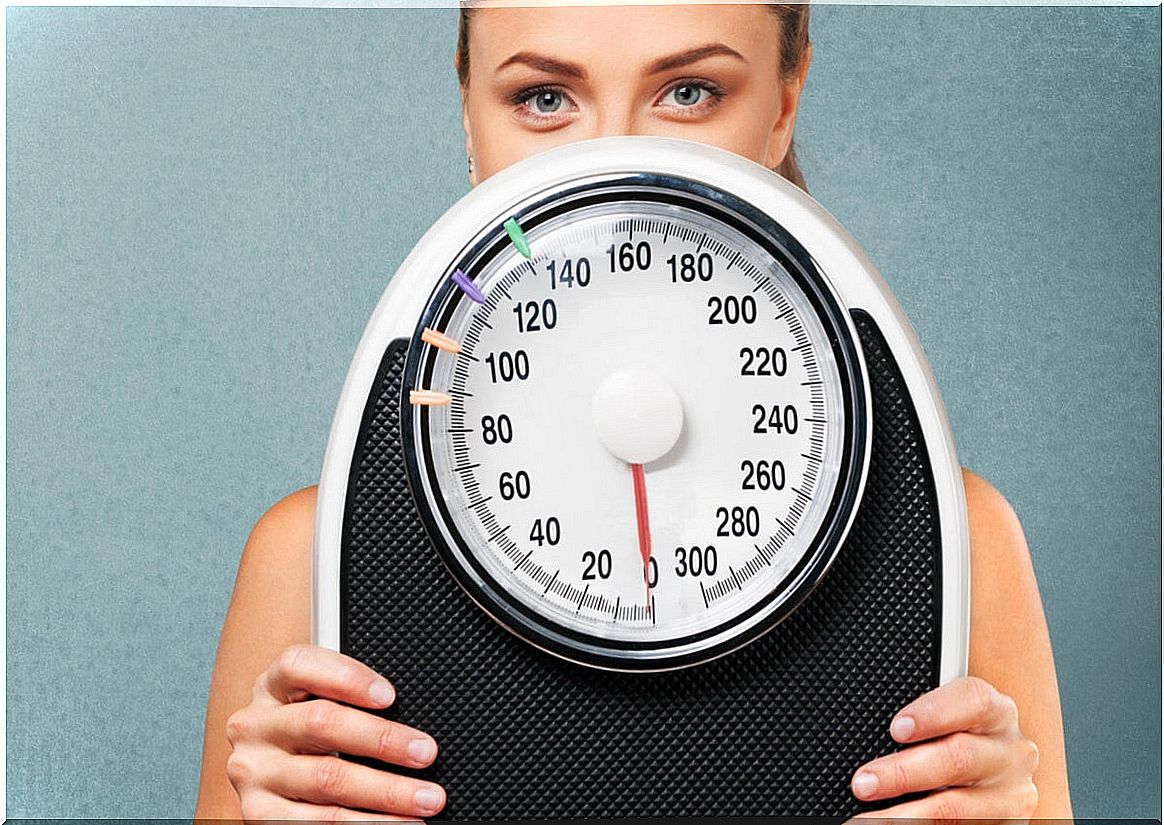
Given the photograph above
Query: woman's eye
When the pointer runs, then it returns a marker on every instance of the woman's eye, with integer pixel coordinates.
(688, 94)
(543, 101)
(543, 106)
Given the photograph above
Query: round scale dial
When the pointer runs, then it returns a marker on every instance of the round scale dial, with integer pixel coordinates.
(636, 422)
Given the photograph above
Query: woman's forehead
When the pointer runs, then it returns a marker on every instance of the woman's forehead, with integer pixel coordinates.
(644, 34)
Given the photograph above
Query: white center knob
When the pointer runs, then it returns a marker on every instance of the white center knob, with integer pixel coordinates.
(637, 414)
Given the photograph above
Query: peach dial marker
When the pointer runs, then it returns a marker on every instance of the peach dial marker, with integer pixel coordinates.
(428, 398)
(440, 340)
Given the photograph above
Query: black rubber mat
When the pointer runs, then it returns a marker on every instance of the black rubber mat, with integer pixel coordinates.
(776, 728)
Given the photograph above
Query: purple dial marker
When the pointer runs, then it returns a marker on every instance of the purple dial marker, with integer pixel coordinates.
(468, 287)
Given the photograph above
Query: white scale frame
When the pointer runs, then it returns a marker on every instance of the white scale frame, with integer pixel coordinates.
(854, 280)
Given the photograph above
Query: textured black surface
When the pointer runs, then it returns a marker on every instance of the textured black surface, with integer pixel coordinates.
(776, 728)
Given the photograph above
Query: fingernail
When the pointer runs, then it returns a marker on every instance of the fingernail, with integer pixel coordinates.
(429, 799)
(902, 728)
(422, 750)
(382, 692)
(864, 783)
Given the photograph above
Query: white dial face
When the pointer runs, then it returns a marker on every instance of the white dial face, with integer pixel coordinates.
(643, 431)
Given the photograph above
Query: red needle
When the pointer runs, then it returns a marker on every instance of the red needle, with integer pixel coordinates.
(644, 524)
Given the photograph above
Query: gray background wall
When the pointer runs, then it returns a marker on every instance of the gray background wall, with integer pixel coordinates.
(205, 204)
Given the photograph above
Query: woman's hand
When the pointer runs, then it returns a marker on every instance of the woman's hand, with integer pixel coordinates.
(281, 763)
(970, 755)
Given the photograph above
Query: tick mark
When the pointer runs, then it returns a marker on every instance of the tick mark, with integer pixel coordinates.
(582, 598)
(497, 533)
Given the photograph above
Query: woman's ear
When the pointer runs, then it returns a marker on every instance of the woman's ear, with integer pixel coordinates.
(465, 123)
(781, 137)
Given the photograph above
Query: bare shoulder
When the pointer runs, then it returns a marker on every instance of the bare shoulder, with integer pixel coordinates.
(273, 586)
(289, 519)
(1002, 581)
(987, 508)
(280, 541)
(998, 546)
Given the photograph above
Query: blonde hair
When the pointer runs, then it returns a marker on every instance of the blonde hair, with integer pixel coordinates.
(792, 19)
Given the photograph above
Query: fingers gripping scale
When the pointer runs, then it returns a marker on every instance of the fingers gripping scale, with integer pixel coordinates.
(642, 493)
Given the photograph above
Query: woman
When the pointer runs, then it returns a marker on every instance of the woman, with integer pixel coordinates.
(986, 746)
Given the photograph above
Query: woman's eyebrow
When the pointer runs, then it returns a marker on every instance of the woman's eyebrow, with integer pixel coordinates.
(550, 65)
(553, 65)
(696, 54)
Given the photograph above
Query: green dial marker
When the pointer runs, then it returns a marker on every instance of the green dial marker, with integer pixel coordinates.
(517, 236)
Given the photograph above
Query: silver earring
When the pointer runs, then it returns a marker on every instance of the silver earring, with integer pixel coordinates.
(470, 164)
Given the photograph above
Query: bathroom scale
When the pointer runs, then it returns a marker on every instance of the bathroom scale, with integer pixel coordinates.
(641, 492)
